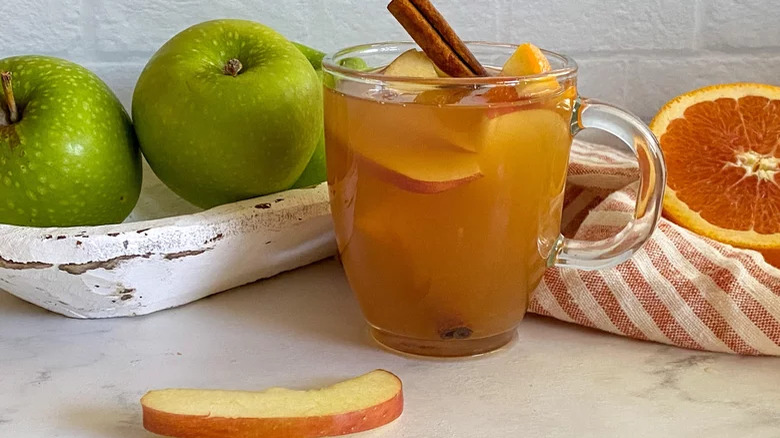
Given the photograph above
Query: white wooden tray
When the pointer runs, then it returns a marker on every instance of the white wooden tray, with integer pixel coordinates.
(168, 253)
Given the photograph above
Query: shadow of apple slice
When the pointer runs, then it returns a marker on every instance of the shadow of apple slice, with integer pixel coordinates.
(415, 175)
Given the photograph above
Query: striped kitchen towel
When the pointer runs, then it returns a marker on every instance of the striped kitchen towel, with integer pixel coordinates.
(679, 289)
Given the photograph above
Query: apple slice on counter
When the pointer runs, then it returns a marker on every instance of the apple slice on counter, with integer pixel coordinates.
(351, 406)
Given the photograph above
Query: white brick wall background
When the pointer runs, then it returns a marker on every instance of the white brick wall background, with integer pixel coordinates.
(634, 53)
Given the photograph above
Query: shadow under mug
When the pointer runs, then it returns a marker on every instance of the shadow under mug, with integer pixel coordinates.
(447, 193)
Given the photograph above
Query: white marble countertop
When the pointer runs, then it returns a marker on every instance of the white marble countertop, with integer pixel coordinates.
(69, 378)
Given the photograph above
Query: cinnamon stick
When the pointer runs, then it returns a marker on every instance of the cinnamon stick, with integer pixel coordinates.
(436, 37)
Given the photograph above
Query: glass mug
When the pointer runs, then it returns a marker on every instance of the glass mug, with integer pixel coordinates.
(447, 194)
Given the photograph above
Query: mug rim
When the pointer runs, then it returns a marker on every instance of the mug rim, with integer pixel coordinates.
(331, 66)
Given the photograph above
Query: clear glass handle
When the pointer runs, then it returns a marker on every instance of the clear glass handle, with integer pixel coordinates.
(633, 132)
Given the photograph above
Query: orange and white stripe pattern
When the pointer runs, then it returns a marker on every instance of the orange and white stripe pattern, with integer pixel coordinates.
(680, 289)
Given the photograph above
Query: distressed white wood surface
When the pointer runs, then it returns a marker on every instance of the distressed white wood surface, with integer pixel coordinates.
(168, 253)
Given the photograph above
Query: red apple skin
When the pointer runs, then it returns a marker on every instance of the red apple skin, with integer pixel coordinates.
(410, 184)
(191, 426)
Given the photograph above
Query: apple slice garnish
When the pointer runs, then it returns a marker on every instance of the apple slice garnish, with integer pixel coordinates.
(412, 63)
(442, 157)
(424, 163)
(457, 129)
(425, 177)
(351, 406)
(440, 72)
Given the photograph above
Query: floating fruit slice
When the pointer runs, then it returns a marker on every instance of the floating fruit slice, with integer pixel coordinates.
(355, 405)
(412, 63)
(532, 128)
(426, 170)
(458, 129)
(722, 148)
(527, 60)
(417, 148)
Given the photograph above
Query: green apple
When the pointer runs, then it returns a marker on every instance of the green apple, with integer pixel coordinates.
(354, 63)
(228, 110)
(68, 152)
(316, 171)
(314, 56)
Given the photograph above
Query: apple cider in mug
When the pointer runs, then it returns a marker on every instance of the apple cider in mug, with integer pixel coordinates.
(447, 205)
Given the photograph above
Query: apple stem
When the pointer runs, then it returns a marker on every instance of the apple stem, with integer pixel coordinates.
(233, 67)
(8, 91)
